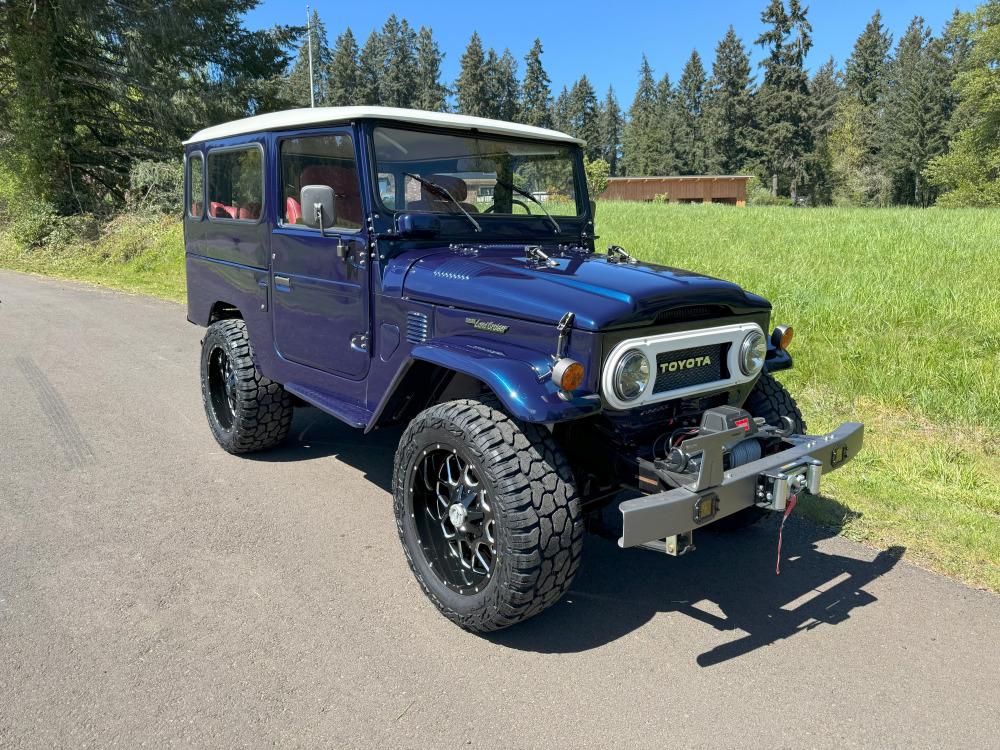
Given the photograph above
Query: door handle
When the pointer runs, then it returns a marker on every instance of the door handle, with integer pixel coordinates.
(282, 281)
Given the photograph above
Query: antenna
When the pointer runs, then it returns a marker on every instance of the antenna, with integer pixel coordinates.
(309, 31)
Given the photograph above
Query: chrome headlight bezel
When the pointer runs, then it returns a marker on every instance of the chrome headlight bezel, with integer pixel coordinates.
(629, 357)
(753, 352)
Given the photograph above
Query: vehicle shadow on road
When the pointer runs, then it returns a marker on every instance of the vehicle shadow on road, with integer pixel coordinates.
(728, 583)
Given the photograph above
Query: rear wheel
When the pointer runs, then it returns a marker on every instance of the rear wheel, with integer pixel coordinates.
(246, 411)
(487, 513)
(772, 401)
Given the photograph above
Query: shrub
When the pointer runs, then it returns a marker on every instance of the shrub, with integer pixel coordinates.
(598, 171)
(157, 186)
(759, 195)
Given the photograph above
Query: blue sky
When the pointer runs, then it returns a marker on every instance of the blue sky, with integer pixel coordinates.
(606, 39)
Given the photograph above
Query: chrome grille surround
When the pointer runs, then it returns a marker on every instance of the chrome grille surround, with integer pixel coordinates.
(728, 338)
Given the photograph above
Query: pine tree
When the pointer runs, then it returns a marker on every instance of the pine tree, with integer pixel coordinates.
(824, 91)
(398, 78)
(296, 87)
(690, 142)
(785, 138)
(536, 98)
(471, 86)
(916, 113)
(502, 88)
(370, 62)
(667, 129)
(639, 144)
(582, 117)
(729, 109)
(610, 128)
(868, 64)
(430, 93)
(342, 73)
(560, 111)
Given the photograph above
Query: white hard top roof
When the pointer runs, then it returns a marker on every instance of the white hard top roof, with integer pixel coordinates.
(298, 118)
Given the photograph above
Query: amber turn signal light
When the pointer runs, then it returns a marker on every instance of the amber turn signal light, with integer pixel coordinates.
(567, 374)
(781, 337)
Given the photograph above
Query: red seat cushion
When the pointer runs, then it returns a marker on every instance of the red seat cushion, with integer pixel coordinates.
(293, 211)
(345, 186)
(222, 211)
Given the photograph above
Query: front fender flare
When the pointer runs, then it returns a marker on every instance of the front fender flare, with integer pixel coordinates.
(520, 378)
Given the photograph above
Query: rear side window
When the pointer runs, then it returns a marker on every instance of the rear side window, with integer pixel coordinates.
(196, 186)
(236, 184)
(321, 160)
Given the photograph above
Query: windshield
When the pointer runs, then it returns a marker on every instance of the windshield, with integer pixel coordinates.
(442, 173)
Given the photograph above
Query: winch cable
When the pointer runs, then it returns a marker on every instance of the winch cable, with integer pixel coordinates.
(788, 511)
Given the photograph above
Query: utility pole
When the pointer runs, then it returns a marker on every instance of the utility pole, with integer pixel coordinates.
(309, 31)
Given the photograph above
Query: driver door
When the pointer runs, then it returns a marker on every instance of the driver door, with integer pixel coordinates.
(320, 300)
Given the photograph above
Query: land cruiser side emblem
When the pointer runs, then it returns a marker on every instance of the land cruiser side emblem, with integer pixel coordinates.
(487, 325)
(685, 364)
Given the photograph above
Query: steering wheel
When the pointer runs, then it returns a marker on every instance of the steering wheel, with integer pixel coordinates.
(522, 204)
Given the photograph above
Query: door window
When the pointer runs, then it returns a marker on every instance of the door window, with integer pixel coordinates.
(196, 186)
(235, 184)
(321, 160)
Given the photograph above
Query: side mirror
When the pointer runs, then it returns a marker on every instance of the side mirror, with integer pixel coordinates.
(319, 208)
(418, 225)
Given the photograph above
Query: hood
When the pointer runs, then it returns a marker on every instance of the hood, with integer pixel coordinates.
(602, 295)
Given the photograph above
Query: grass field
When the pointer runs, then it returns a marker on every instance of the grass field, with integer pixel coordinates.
(897, 325)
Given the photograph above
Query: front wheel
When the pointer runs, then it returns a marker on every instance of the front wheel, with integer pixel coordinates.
(487, 513)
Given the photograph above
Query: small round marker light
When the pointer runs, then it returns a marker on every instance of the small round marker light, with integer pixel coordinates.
(567, 374)
(781, 336)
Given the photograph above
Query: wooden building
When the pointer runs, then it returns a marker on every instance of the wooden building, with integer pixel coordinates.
(730, 189)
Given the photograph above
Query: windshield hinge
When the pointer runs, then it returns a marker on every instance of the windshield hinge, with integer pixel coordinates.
(619, 255)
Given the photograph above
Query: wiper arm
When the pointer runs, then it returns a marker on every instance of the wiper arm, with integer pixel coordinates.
(533, 199)
(434, 187)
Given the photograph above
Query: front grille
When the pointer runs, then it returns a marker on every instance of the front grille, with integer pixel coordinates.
(417, 327)
(686, 367)
(691, 312)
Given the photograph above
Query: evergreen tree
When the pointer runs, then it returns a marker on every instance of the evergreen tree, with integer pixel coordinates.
(342, 73)
(667, 131)
(398, 77)
(824, 90)
(583, 117)
(639, 137)
(785, 138)
(502, 88)
(690, 142)
(296, 87)
(431, 93)
(471, 87)
(729, 109)
(536, 99)
(916, 113)
(610, 128)
(370, 62)
(560, 111)
(868, 64)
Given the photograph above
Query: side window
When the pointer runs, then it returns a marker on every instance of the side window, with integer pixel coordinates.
(321, 160)
(196, 186)
(235, 184)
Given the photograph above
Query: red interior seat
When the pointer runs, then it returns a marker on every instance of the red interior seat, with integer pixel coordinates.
(345, 186)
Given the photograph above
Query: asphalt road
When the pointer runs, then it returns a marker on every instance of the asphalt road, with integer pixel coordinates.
(155, 591)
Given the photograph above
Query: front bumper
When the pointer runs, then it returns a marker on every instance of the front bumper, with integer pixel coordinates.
(666, 514)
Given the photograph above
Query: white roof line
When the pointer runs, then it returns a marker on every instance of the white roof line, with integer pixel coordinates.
(296, 118)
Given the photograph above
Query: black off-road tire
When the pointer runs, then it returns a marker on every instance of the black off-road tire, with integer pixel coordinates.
(255, 413)
(772, 401)
(538, 525)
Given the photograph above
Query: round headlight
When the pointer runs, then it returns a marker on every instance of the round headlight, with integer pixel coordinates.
(631, 375)
(752, 353)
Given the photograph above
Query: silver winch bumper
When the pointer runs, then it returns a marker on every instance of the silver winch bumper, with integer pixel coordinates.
(670, 517)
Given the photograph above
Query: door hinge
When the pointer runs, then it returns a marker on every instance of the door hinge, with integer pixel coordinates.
(359, 342)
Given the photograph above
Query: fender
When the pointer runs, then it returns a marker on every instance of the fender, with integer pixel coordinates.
(520, 377)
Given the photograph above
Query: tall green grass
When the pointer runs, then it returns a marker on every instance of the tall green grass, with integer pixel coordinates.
(897, 325)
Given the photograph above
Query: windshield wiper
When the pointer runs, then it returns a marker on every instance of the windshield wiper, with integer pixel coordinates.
(442, 191)
(533, 199)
